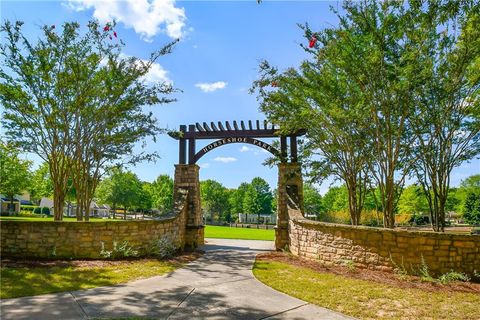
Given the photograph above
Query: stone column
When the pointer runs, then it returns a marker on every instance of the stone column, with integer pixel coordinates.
(289, 176)
(187, 177)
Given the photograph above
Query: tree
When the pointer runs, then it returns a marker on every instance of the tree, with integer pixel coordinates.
(14, 172)
(236, 200)
(471, 212)
(74, 99)
(162, 194)
(41, 184)
(312, 200)
(447, 118)
(336, 199)
(258, 198)
(120, 188)
(215, 200)
(412, 201)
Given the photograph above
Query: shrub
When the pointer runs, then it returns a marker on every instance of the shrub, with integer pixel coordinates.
(123, 250)
(424, 272)
(371, 218)
(453, 276)
(162, 248)
(42, 210)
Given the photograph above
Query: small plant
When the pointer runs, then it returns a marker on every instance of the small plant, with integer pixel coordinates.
(453, 276)
(53, 251)
(124, 250)
(162, 248)
(399, 270)
(424, 273)
(349, 264)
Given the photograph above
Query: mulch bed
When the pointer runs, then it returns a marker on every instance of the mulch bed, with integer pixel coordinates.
(182, 258)
(411, 282)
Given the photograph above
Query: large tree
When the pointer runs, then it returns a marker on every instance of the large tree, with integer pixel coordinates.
(312, 200)
(258, 198)
(162, 194)
(74, 99)
(446, 56)
(41, 184)
(120, 189)
(14, 172)
(215, 200)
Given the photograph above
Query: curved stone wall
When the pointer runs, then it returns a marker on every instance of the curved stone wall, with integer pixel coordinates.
(382, 249)
(38, 239)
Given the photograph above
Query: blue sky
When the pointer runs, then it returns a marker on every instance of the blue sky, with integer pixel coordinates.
(221, 45)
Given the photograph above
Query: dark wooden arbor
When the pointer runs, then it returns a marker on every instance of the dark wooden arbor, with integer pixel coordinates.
(227, 134)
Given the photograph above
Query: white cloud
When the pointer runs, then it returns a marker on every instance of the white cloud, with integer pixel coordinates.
(157, 74)
(204, 165)
(146, 17)
(245, 149)
(225, 159)
(210, 87)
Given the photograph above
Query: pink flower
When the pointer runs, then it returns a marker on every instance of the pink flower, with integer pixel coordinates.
(106, 28)
(115, 34)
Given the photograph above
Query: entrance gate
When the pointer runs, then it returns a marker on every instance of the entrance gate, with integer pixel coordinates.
(290, 185)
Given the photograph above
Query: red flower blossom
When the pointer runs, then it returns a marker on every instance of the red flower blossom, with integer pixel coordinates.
(115, 34)
(106, 28)
(312, 42)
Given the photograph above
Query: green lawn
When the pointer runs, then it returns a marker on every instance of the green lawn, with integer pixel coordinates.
(239, 233)
(38, 218)
(365, 299)
(30, 281)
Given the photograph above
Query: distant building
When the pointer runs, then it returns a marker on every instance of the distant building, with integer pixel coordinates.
(70, 209)
(7, 207)
(253, 218)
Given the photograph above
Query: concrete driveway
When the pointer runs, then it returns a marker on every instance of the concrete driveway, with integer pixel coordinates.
(219, 285)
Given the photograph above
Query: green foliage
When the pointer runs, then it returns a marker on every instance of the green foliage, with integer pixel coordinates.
(312, 200)
(14, 171)
(41, 184)
(424, 272)
(28, 207)
(73, 98)
(162, 194)
(453, 276)
(215, 200)
(258, 197)
(120, 189)
(119, 251)
(162, 248)
(471, 212)
(413, 201)
(349, 264)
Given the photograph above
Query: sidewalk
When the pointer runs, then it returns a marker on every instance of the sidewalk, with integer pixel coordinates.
(219, 285)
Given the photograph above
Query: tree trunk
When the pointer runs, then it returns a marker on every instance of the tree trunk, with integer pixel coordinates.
(125, 213)
(58, 204)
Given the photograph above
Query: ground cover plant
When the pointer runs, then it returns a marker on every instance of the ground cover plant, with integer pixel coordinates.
(29, 278)
(239, 233)
(367, 294)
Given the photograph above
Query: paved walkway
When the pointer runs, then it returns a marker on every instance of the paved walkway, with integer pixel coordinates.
(219, 285)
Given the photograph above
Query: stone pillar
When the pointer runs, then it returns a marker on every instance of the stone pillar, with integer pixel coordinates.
(289, 176)
(187, 177)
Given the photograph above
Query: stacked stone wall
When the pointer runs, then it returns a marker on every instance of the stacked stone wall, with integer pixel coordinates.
(384, 249)
(73, 240)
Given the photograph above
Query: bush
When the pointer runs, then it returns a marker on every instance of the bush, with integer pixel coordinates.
(162, 248)
(342, 217)
(123, 250)
(453, 276)
(42, 210)
(371, 218)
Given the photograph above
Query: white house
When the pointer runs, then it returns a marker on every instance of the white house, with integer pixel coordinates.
(70, 208)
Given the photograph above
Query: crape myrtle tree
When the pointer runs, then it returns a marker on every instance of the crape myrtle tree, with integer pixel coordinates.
(14, 172)
(73, 99)
(445, 37)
